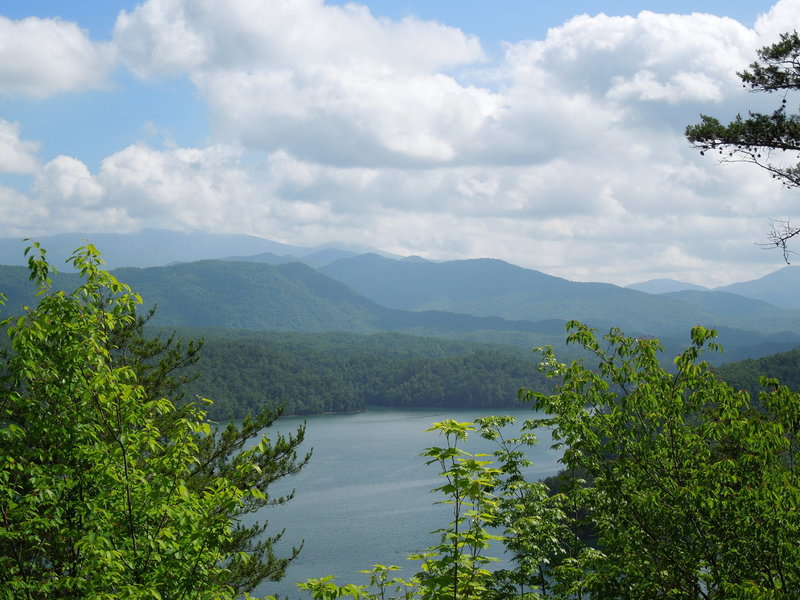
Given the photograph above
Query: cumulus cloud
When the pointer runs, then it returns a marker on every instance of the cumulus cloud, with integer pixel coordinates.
(67, 180)
(781, 18)
(20, 213)
(330, 123)
(162, 37)
(331, 83)
(180, 187)
(41, 57)
(16, 155)
(630, 66)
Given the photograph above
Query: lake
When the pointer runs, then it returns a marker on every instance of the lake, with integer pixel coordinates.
(365, 496)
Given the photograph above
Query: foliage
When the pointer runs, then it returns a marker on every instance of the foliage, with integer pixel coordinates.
(536, 530)
(455, 568)
(746, 374)
(491, 502)
(759, 137)
(695, 494)
(676, 487)
(161, 367)
(337, 372)
(107, 489)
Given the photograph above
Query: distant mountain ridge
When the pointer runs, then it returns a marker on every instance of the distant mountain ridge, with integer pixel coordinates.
(664, 286)
(781, 288)
(159, 247)
(479, 299)
(258, 296)
(484, 287)
(317, 259)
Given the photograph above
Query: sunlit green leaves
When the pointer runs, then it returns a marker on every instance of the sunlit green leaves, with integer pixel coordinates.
(97, 494)
(694, 491)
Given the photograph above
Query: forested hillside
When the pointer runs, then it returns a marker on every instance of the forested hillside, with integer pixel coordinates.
(337, 372)
(286, 297)
(243, 371)
(745, 374)
(288, 336)
(483, 287)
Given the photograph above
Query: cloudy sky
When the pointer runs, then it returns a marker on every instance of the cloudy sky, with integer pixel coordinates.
(551, 137)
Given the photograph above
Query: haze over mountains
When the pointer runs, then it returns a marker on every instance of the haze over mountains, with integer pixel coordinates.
(242, 282)
(159, 247)
(781, 287)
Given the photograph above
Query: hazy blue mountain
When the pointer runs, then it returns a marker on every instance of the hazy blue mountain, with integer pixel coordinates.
(323, 257)
(269, 258)
(727, 304)
(258, 296)
(663, 286)
(737, 344)
(295, 297)
(492, 287)
(781, 288)
(159, 247)
(146, 248)
(415, 285)
(317, 259)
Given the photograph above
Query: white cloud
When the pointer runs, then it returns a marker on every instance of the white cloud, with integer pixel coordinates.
(41, 57)
(178, 188)
(644, 85)
(20, 215)
(627, 60)
(162, 37)
(330, 83)
(16, 155)
(783, 17)
(67, 180)
(332, 124)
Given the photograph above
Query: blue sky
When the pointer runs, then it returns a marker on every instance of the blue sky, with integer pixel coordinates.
(547, 134)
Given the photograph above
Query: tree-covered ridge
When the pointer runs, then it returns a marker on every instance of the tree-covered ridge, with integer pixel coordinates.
(746, 374)
(339, 372)
(287, 297)
(294, 297)
(344, 372)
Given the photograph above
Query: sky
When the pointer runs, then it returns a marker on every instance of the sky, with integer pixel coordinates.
(550, 135)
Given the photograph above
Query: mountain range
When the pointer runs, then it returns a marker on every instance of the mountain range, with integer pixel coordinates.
(781, 287)
(242, 282)
(159, 247)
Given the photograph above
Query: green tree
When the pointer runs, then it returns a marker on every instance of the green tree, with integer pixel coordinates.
(455, 568)
(760, 138)
(107, 489)
(536, 529)
(491, 501)
(694, 494)
(687, 489)
(159, 366)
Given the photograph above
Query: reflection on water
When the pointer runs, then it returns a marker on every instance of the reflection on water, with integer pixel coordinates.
(365, 496)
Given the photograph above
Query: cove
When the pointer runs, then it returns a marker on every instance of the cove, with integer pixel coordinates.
(365, 496)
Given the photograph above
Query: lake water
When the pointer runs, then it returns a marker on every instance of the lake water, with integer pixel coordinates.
(365, 496)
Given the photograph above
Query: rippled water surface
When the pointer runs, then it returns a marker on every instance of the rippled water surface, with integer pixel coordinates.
(365, 496)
